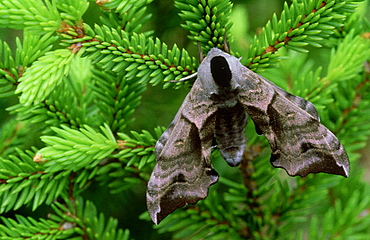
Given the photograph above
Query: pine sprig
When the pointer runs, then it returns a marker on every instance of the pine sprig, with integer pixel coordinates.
(28, 228)
(53, 111)
(129, 166)
(47, 73)
(346, 211)
(351, 101)
(57, 107)
(17, 135)
(301, 24)
(207, 22)
(8, 72)
(117, 99)
(33, 47)
(353, 111)
(9, 138)
(92, 224)
(140, 57)
(127, 15)
(81, 219)
(70, 221)
(11, 69)
(76, 149)
(72, 10)
(137, 149)
(38, 17)
(357, 22)
(122, 7)
(25, 180)
(348, 59)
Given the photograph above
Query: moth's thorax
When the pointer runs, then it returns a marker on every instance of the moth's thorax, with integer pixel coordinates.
(225, 98)
(217, 75)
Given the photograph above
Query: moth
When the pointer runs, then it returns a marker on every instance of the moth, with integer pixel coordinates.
(218, 105)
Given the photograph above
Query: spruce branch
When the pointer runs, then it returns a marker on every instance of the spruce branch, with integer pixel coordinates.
(131, 164)
(11, 70)
(72, 220)
(207, 22)
(38, 17)
(43, 115)
(140, 147)
(344, 211)
(40, 79)
(73, 91)
(301, 24)
(348, 58)
(92, 224)
(72, 10)
(126, 15)
(122, 7)
(9, 134)
(77, 149)
(25, 180)
(118, 98)
(57, 107)
(33, 47)
(353, 113)
(8, 72)
(27, 228)
(81, 220)
(146, 59)
(17, 135)
(346, 68)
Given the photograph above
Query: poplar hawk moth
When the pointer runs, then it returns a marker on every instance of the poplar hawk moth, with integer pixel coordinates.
(224, 94)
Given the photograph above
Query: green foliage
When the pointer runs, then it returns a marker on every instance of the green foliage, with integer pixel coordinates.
(207, 21)
(72, 89)
(74, 149)
(27, 52)
(26, 182)
(140, 57)
(301, 24)
(47, 73)
(127, 15)
(38, 17)
(78, 220)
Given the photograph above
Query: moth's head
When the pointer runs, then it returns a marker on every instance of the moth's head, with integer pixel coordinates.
(218, 71)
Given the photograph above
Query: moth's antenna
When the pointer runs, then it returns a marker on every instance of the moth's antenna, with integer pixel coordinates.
(201, 58)
(185, 78)
(201, 55)
(226, 44)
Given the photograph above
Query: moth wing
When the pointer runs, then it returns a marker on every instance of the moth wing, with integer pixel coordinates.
(300, 102)
(183, 172)
(300, 143)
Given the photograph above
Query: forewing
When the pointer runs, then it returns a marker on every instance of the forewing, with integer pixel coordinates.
(300, 102)
(183, 172)
(300, 143)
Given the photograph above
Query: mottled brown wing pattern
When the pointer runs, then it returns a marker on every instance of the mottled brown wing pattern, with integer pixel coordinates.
(183, 172)
(217, 106)
(300, 102)
(300, 143)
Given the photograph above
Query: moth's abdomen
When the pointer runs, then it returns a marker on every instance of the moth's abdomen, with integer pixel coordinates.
(229, 133)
